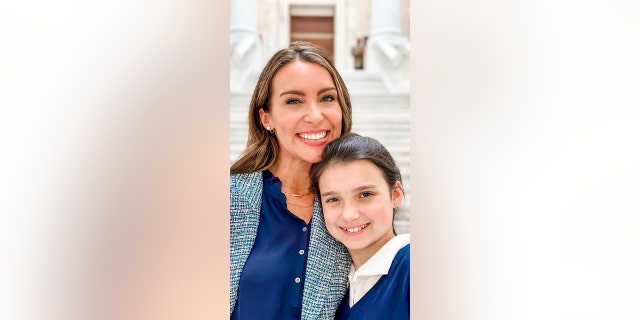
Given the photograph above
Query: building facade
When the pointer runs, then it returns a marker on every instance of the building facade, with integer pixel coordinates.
(259, 28)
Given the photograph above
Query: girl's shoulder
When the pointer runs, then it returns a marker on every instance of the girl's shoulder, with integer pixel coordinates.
(402, 260)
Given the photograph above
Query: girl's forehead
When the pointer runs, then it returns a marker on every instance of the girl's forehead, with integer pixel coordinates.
(351, 170)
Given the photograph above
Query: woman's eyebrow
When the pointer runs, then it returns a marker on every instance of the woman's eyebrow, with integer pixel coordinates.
(302, 93)
(292, 92)
(326, 89)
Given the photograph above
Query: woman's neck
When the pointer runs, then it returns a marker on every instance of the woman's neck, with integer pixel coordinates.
(296, 185)
(294, 179)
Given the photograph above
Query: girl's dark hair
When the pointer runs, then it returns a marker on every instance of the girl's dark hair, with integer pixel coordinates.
(351, 147)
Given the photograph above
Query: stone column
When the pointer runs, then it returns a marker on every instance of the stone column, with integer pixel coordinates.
(245, 42)
(385, 17)
(387, 51)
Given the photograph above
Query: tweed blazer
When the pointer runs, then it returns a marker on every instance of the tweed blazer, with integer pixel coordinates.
(328, 261)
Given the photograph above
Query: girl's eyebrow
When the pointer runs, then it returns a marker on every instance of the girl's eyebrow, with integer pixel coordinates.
(364, 187)
(328, 193)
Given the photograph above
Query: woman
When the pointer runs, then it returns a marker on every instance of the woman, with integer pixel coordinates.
(360, 188)
(284, 264)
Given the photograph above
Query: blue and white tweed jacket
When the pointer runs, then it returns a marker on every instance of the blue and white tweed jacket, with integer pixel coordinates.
(328, 262)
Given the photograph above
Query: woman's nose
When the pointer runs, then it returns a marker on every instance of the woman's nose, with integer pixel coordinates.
(314, 114)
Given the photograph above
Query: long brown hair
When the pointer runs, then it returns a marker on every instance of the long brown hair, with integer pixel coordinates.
(262, 148)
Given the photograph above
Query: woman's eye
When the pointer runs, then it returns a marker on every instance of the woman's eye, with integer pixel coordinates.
(292, 101)
(328, 98)
(366, 194)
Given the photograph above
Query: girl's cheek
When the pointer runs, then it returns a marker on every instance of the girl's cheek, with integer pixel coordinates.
(329, 215)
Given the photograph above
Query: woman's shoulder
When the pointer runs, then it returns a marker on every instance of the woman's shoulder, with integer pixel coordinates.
(245, 188)
(245, 180)
(245, 176)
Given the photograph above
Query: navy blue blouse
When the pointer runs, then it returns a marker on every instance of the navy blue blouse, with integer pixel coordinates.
(387, 299)
(273, 277)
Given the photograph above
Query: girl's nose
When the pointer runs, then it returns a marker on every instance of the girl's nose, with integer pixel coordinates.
(350, 213)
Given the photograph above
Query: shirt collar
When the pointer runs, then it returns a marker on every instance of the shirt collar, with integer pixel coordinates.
(380, 262)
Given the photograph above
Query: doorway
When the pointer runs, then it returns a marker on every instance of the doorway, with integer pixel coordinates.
(314, 24)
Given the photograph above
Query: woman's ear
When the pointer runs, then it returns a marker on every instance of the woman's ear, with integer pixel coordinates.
(396, 194)
(265, 118)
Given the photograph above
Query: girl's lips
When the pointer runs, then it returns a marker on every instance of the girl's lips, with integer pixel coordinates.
(354, 230)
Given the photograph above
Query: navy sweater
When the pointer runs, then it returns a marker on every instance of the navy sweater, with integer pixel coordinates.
(387, 299)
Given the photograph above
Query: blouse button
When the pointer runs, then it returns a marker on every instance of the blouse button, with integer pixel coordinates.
(301, 252)
(304, 229)
(297, 280)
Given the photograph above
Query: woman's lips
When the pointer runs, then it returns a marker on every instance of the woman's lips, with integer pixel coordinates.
(314, 138)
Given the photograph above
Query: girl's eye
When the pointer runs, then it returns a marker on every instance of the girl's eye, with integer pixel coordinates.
(366, 194)
(328, 98)
(330, 200)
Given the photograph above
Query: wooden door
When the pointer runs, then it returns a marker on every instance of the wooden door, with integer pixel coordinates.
(315, 29)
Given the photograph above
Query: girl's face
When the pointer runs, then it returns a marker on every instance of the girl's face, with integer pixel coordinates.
(358, 206)
(304, 113)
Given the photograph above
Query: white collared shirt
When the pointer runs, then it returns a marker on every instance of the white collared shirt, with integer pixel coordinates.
(363, 279)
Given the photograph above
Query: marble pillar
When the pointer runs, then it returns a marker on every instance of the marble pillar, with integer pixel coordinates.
(387, 49)
(245, 42)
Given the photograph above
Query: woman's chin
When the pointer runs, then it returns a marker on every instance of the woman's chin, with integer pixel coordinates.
(314, 158)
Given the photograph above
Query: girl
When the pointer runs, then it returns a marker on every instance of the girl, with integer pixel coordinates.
(360, 188)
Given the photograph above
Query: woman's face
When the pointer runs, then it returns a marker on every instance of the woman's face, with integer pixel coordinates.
(357, 204)
(305, 112)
